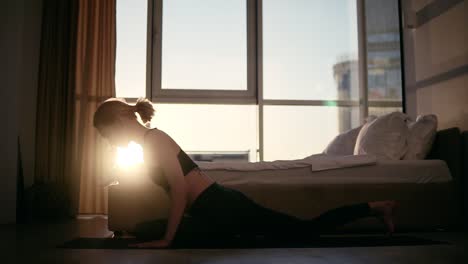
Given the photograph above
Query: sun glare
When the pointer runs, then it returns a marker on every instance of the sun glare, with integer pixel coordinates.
(130, 156)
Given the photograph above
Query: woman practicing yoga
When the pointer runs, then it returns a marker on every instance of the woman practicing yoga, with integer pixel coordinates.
(194, 193)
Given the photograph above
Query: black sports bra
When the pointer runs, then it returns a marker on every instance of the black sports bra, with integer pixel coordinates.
(186, 163)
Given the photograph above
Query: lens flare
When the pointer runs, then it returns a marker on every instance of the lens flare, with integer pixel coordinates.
(130, 156)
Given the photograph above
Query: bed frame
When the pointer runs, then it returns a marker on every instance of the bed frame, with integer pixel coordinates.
(451, 145)
(464, 177)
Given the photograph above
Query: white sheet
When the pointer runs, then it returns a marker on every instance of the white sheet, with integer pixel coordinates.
(317, 162)
(399, 171)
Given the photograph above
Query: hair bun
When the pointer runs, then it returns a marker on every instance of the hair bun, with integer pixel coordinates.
(145, 109)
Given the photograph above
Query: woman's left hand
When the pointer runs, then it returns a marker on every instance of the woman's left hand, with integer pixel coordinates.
(152, 244)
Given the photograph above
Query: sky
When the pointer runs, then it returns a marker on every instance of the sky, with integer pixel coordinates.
(204, 47)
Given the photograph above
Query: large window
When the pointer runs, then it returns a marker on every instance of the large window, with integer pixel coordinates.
(263, 79)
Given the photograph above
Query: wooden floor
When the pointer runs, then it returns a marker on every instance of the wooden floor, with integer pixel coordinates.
(37, 244)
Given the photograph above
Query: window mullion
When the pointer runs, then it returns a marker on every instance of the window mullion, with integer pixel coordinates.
(259, 76)
(156, 34)
(362, 58)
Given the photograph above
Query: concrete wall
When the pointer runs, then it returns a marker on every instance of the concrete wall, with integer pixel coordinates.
(437, 64)
(20, 28)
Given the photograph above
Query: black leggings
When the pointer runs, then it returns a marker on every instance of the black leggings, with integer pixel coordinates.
(222, 212)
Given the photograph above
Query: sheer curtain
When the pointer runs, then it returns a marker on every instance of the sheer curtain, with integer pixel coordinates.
(95, 70)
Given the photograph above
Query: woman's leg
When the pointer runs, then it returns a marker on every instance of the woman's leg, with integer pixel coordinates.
(339, 216)
(232, 211)
(333, 218)
(258, 219)
(271, 222)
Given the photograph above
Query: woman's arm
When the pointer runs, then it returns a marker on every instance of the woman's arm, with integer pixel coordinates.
(166, 157)
(178, 193)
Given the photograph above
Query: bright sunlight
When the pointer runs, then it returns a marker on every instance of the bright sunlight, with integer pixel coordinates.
(130, 156)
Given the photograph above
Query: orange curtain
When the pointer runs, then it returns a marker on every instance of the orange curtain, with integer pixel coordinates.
(94, 82)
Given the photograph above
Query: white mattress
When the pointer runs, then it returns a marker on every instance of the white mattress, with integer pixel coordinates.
(400, 171)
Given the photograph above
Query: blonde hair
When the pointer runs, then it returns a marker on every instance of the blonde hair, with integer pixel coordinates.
(110, 110)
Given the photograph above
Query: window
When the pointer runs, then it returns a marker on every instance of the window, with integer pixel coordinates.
(259, 79)
(202, 43)
(307, 47)
(203, 51)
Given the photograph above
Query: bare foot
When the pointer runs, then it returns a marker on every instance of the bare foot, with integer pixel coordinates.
(384, 210)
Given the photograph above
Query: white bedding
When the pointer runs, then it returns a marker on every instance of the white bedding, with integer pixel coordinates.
(317, 162)
(388, 171)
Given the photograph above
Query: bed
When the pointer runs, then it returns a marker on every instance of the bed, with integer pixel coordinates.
(430, 192)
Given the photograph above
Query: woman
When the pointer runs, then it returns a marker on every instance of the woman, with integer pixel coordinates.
(194, 193)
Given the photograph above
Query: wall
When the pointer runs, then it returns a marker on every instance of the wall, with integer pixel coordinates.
(20, 43)
(28, 92)
(437, 63)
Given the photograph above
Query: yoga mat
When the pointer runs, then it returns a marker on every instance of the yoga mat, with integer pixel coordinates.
(322, 242)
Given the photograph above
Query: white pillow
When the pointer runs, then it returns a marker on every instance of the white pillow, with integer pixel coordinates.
(421, 136)
(343, 144)
(384, 137)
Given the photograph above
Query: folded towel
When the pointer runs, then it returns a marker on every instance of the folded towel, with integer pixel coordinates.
(322, 162)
